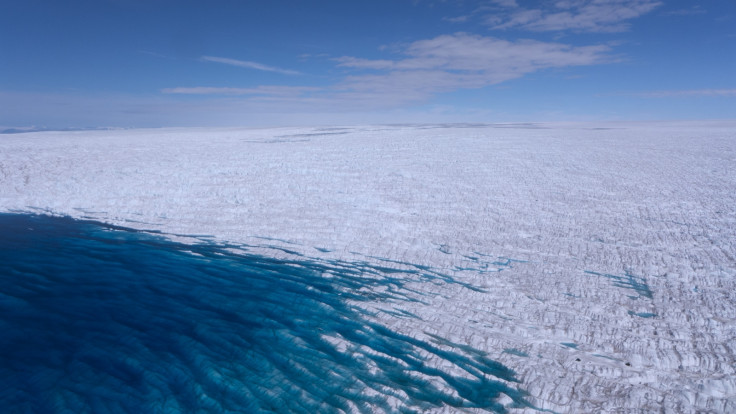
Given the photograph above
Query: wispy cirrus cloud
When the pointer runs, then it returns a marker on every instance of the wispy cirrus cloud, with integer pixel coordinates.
(464, 61)
(573, 15)
(249, 65)
(468, 52)
(275, 90)
(693, 10)
(687, 93)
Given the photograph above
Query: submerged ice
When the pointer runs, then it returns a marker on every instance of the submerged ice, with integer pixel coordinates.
(109, 320)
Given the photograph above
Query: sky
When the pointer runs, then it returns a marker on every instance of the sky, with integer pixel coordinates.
(160, 63)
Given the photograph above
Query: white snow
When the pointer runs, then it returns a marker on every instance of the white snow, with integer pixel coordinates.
(656, 201)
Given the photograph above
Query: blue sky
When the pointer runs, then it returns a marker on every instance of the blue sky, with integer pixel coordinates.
(150, 63)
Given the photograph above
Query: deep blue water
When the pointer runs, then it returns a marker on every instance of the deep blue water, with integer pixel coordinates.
(96, 319)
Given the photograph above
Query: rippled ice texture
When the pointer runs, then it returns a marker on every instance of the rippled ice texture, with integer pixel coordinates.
(619, 240)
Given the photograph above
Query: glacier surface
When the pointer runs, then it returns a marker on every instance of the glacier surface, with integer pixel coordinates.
(601, 255)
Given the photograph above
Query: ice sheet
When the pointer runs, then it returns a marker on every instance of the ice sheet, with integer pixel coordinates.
(618, 289)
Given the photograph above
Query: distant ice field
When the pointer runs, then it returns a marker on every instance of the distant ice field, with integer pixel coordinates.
(595, 262)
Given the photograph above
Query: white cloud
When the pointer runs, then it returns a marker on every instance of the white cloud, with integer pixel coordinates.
(461, 61)
(353, 62)
(458, 19)
(575, 15)
(688, 93)
(697, 9)
(260, 90)
(505, 3)
(249, 65)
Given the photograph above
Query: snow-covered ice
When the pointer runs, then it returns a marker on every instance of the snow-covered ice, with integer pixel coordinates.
(604, 254)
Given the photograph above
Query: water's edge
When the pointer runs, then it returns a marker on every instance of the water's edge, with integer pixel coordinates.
(100, 318)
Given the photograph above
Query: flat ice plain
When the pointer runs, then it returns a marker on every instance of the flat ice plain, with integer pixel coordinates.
(604, 254)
